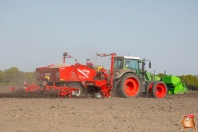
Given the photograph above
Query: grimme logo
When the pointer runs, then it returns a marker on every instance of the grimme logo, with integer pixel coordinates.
(83, 72)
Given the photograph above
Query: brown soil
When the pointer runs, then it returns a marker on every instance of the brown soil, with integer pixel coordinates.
(21, 112)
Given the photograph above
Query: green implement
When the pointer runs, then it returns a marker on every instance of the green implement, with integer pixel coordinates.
(174, 85)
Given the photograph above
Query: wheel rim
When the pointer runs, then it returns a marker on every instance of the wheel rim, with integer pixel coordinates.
(131, 87)
(76, 92)
(160, 91)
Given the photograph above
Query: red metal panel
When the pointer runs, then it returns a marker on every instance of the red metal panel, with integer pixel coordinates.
(52, 73)
(84, 73)
(68, 74)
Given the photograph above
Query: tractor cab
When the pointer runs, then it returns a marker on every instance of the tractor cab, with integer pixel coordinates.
(135, 65)
(127, 62)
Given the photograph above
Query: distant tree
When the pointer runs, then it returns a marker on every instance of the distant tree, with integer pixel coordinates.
(196, 80)
(161, 75)
(12, 75)
(189, 80)
(1, 76)
(29, 77)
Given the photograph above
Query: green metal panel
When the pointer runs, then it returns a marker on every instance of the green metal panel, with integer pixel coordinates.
(156, 78)
(148, 76)
(171, 79)
(174, 85)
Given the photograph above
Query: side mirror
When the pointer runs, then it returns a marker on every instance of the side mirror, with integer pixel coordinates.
(149, 64)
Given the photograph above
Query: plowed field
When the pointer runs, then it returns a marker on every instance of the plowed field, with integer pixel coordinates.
(40, 113)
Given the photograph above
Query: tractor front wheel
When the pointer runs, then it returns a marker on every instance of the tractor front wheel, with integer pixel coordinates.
(159, 89)
(129, 85)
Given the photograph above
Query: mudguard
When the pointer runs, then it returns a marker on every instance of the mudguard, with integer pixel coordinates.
(121, 72)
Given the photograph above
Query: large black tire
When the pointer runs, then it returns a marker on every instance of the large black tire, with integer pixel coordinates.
(159, 90)
(149, 86)
(129, 86)
(80, 91)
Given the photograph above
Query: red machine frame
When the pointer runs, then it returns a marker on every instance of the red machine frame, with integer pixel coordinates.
(77, 73)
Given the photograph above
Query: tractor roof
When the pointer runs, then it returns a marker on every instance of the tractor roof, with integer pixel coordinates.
(128, 57)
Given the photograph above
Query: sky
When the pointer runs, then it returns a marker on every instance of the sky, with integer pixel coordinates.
(35, 33)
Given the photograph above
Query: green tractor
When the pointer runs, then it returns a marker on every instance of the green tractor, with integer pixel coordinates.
(131, 78)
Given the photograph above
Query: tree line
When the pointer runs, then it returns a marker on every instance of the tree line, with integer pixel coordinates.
(14, 76)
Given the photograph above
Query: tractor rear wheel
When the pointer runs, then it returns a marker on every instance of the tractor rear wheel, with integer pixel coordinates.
(79, 92)
(159, 89)
(129, 86)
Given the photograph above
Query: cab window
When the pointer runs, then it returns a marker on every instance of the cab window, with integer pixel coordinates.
(132, 64)
(118, 64)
